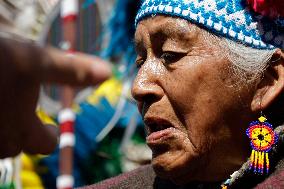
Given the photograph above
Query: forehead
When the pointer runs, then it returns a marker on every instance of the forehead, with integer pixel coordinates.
(168, 26)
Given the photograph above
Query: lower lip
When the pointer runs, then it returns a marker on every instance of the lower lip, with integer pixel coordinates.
(159, 135)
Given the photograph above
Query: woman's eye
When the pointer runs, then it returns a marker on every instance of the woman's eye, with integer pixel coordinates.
(171, 57)
(139, 62)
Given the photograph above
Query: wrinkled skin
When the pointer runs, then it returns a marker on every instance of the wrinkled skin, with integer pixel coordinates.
(184, 82)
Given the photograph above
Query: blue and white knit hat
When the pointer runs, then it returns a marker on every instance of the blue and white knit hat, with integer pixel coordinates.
(229, 18)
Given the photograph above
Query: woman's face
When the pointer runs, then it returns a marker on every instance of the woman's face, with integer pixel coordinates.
(194, 114)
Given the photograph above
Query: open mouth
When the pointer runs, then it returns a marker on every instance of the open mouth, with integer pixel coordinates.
(156, 124)
(160, 133)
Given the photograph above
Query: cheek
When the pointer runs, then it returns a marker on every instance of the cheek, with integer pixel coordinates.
(201, 100)
(181, 87)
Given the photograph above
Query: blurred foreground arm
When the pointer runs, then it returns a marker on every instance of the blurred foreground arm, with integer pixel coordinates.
(23, 67)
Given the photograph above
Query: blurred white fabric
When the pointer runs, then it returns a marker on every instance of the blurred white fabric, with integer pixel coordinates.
(27, 18)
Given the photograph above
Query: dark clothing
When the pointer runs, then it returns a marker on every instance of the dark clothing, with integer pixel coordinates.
(145, 177)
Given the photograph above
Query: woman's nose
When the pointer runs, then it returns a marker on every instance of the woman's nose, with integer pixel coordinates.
(147, 84)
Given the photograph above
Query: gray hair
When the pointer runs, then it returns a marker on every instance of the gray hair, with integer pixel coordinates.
(248, 63)
(248, 66)
(251, 62)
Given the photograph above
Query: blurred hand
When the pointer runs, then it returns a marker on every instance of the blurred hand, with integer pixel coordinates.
(23, 67)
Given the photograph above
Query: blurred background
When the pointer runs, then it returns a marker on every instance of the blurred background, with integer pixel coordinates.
(107, 128)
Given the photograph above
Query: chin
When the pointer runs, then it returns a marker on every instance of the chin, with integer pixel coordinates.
(174, 157)
(178, 166)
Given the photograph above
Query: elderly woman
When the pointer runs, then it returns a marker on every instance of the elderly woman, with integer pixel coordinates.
(207, 70)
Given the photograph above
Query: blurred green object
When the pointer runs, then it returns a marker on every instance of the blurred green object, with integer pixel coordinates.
(8, 186)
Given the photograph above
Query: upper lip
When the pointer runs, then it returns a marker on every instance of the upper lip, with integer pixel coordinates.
(154, 124)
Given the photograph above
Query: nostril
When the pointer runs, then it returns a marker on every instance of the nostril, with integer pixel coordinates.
(144, 99)
(146, 87)
(147, 93)
(151, 98)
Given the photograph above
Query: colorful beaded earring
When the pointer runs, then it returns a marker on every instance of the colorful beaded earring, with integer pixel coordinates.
(262, 138)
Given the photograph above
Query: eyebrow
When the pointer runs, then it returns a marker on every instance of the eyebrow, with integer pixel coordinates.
(181, 29)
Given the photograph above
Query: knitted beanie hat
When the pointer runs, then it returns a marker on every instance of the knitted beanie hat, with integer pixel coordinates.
(251, 22)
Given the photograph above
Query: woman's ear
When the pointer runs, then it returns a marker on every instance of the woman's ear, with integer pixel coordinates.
(271, 85)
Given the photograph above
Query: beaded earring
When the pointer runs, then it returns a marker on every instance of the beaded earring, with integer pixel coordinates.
(262, 138)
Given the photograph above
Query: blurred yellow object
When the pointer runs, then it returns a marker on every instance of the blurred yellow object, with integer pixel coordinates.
(44, 117)
(110, 89)
(27, 163)
(31, 180)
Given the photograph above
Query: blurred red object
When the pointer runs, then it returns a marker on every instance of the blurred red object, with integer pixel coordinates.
(270, 8)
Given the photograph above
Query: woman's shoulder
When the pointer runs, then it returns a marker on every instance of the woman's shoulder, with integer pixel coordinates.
(276, 180)
(143, 176)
